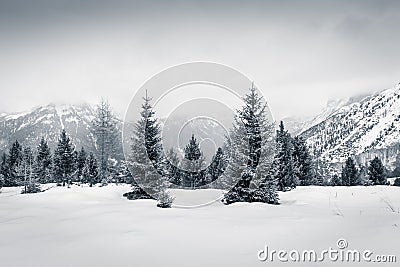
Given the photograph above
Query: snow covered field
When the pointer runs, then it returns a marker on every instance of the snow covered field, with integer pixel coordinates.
(84, 226)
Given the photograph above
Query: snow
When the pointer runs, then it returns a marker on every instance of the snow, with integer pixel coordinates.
(59, 112)
(83, 226)
(16, 115)
(360, 126)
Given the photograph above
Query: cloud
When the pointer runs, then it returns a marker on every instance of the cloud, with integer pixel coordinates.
(300, 53)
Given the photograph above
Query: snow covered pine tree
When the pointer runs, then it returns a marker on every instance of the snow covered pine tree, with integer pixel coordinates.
(14, 159)
(90, 172)
(349, 173)
(146, 161)
(376, 172)
(64, 160)
(284, 168)
(44, 162)
(105, 131)
(27, 171)
(193, 162)
(250, 147)
(302, 161)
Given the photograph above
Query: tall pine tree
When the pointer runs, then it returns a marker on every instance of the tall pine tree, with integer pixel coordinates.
(376, 172)
(28, 173)
(90, 172)
(80, 164)
(250, 147)
(106, 136)
(284, 168)
(302, 161)
(194, 164)
(216, 167)
(15, 158)
(349, 173)
(3, 169)
(174, 174)
(145, 161)
(64, 160)
(44, 162)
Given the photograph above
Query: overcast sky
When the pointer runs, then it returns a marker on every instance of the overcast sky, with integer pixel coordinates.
(299, 53)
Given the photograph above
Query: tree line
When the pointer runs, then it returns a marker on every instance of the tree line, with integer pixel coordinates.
(252, 161)
(27, 167)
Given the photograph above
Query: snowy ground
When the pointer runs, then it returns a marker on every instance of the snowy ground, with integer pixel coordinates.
(84, 226)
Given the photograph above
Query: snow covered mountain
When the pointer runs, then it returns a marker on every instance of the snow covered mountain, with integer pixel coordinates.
(297, 125)
(177, 131)
(48, 121)
(366, 127)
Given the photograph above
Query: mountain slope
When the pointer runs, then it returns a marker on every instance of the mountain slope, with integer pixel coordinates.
(47, 122)
(368, 127)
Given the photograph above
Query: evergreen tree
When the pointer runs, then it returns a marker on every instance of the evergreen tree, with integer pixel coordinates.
(284, 168)
(43, 162)
(376, 171)
(335, 181)
(250, 148)
(125, 175)
(362, 178)
(145, 161)
(1, 180)
(90, 172)
(27, 171)
(237, 148)
(194, 163)
(14, 160)
(64, 160)
(216, 167)
(80, 164)
(174, 175)
(192, 150)
(3, 169)
(106, 137)
(302, 161)
(349, 173)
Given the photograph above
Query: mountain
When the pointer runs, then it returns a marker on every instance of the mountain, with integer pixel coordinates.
(297, 125)
(365, 127)
(177, 131)
(48, 121)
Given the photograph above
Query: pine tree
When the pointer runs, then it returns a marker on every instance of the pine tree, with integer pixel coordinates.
(174, 175)
(250, 149)
(349, 173)
(64, 160)
(335, 181)
(3, 169)
(284, 169)
(376, 171)
(216, 167)
(80, 164)
(146, 162)
(1, 180)
(237, 148)
(90, 172)
(106, 136)
(14, 160)
(194, 164)
(27, 171)
(192, 149)
(302, 161)
(44, 162)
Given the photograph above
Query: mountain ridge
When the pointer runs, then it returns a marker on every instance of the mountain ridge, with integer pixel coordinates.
(363, 128)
